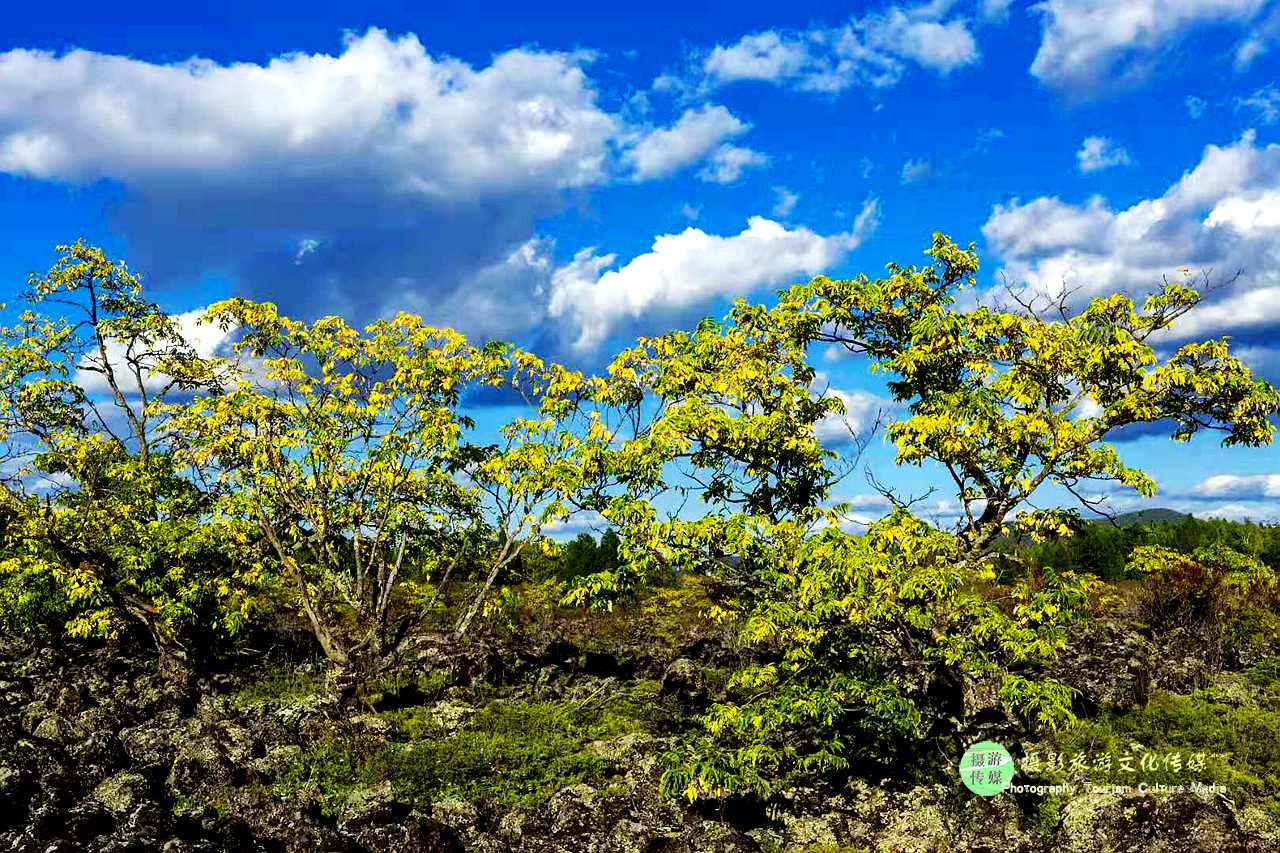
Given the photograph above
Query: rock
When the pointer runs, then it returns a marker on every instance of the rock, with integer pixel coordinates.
(12, 787)
(295, 714)
(626, 749)
(55, 728)
(629, 836)
(371, 807)
(370, 725)
(457, 814)
(413, 834)
(1105, 822)
(212, 750)
(683, 681)
(812, 830)
(1112, 666)
(451, 715)
(573, 810)
(706, 837)
(277, 760)
(121, 793)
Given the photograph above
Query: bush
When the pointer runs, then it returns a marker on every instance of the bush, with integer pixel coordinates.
(1223, 594)
(1240, 744)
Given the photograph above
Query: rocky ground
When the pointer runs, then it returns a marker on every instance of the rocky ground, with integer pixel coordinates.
(549, 748)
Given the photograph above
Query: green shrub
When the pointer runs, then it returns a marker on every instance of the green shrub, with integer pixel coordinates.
(279, 684)
(1240, 744)
(1224, 595)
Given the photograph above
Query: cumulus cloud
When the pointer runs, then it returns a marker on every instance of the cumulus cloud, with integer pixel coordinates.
(729, 162)
(353, 183)
(1239, 486)
(861, 411)
(945, 513)
(1087, 45)
(1240, 512)
(1218, 217)
(875, 50)
(688, 270)
(207, 339)
(586, 521)
(1101, 152)
(695, 136)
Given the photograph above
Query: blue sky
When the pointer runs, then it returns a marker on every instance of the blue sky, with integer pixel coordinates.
(568, 176)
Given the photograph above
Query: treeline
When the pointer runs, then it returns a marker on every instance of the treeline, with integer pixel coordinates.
(334, 474)
(1104, 549)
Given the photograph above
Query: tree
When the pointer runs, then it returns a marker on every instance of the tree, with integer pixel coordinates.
(342, 446)
(106, 527)
(890, 635)
(530, 479)
(723, 416)
(1007, 401)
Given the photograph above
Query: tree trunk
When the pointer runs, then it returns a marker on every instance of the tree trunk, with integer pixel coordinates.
(464, 624)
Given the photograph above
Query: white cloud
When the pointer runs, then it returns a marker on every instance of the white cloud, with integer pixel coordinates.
(422, 125)
(1195, 106)
(874, 50)
(1264, 104)
(695, 136)
(586, 521)
(729, 162)
(941, 47)
(687, 270)
(1239, 486)
(786, 202)
(916, 170)
(1088, 45)
(1261, 37)
(760, 56)
(306, 246)
(861, 409)
(1101, 152)
(690, 212)
(1240, 512)
(1246, 311)
(1218, 217)
(499, 300)
(388, 172)
(945, 513)
(1261, 358)
(995, 10)
(206, 339)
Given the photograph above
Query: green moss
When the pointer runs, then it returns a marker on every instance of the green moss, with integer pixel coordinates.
(1240, 745)
(1265, 674)
(515, 753)
(1048, 815)
(510, 752)
(279, 684)
(331, 769)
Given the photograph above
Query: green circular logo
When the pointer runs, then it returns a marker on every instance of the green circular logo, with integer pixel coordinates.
(986, 768)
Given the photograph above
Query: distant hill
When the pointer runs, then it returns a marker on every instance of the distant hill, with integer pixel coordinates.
(1157, 515)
